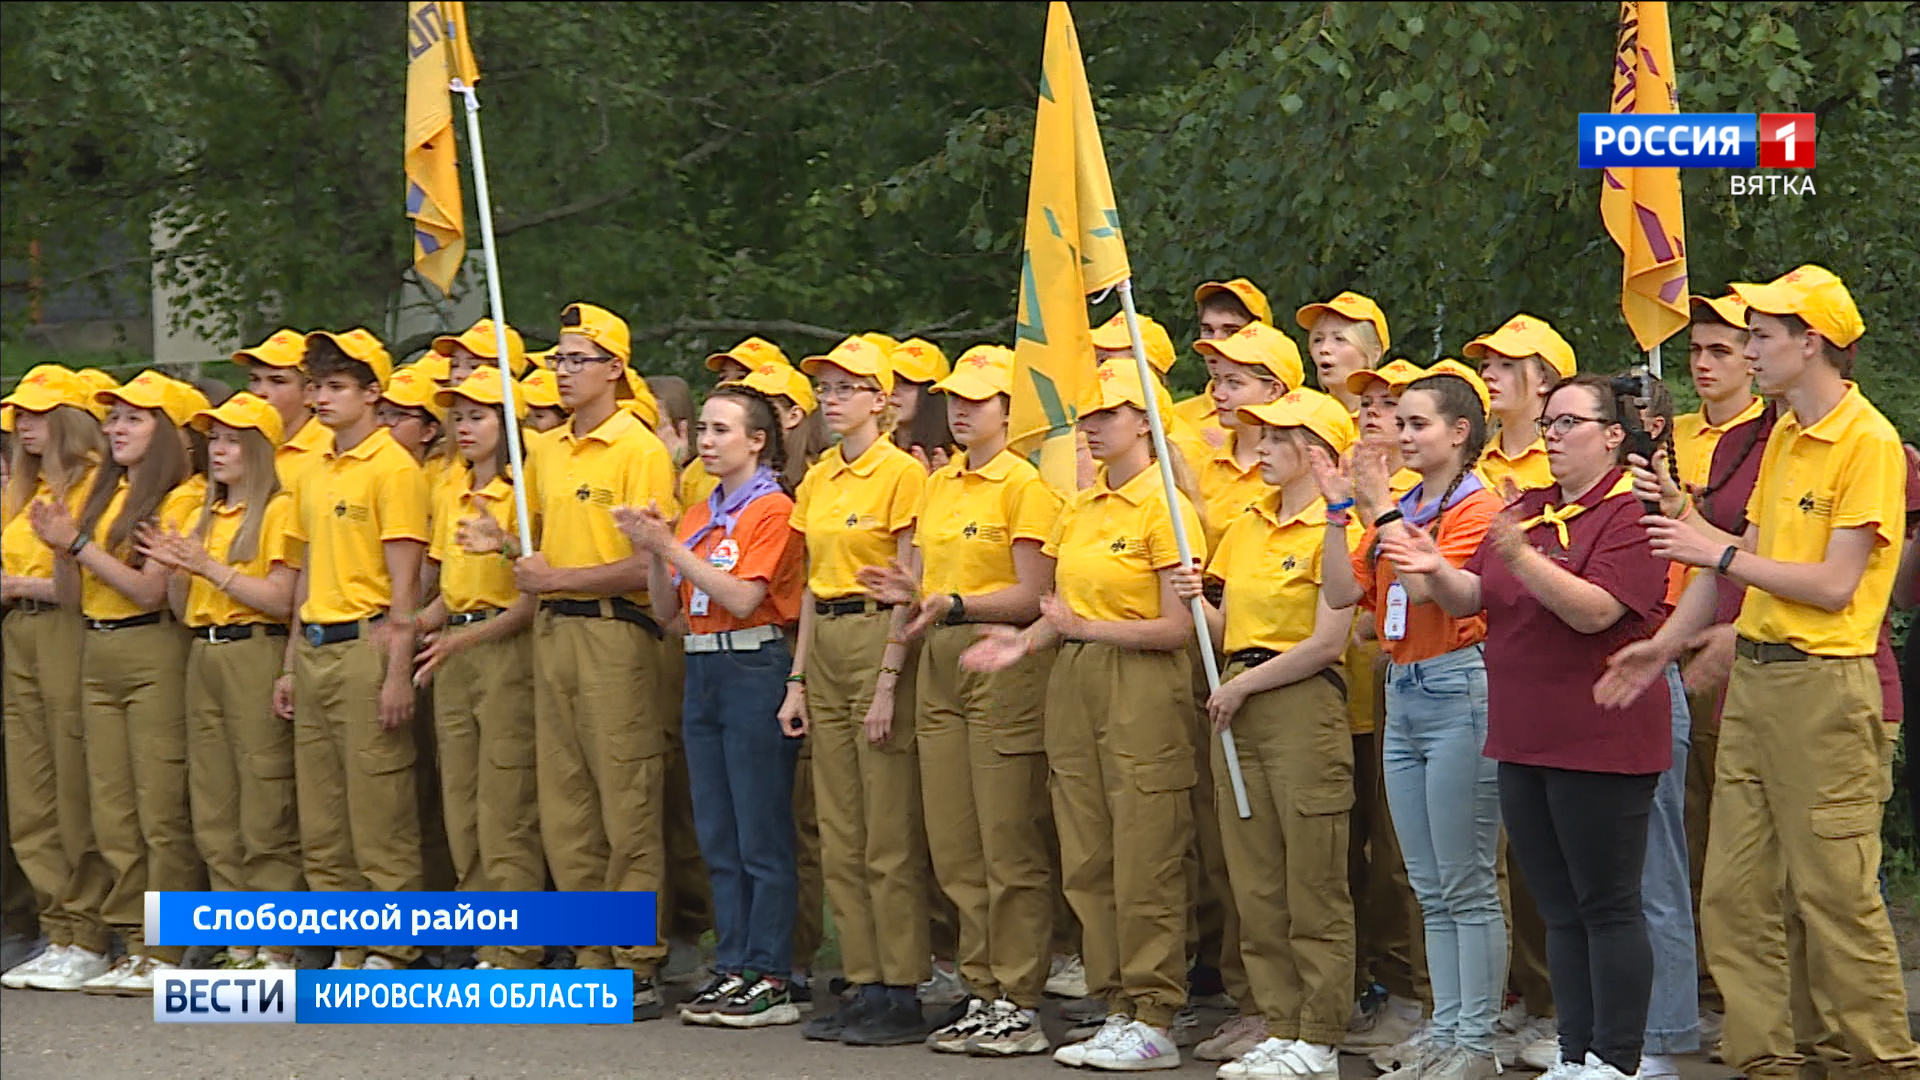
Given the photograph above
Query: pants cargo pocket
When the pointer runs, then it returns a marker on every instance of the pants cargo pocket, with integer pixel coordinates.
(1324, 801)
(272, 762)
(1018, 737)
(385, 752)
(1845, 820)
(511, 748)
(1154, 777)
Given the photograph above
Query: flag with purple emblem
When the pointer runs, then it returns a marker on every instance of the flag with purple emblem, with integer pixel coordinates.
(1641, 206)
(437, 50)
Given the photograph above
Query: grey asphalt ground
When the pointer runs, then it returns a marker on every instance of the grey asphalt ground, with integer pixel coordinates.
(49, 1036)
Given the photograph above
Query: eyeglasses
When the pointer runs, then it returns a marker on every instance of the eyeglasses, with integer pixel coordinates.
(1563, 426)
(574, 363)
(843, 391)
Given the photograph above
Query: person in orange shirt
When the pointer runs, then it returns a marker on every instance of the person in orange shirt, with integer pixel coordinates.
(731, 577)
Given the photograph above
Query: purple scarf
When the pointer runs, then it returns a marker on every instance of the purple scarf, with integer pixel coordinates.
(1417, 517)
(723, 509)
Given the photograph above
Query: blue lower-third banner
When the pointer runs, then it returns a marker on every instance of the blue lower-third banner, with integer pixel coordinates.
(412, 918)
(393, 997)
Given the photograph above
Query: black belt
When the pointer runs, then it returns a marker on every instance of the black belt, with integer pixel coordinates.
(857, 605)
(1769, 652)
(34, 606)
(238, 632)
(618, 607)
(1256, 657)
(151, 618)
(464, 618)
(318, 634)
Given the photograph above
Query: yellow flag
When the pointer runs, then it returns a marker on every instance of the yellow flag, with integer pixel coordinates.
(432, 160)
(1641, 206)
(1073, 248)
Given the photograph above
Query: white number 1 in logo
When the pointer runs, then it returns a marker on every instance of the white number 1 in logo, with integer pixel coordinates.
(1785, 135)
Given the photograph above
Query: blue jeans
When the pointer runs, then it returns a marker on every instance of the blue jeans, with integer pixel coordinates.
(1445, 800)
(1673, 1013)
(741, 767)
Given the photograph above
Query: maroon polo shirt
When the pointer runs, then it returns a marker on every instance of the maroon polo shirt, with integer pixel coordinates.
(1541, 672)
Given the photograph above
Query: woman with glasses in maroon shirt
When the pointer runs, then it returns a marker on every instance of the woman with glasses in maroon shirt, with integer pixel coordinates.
(1567, 577)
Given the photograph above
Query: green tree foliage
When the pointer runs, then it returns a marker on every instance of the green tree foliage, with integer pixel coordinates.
(804, 169)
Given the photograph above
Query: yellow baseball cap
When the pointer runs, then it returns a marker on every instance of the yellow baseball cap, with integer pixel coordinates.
(642, 404)
(282, 349)
(1319, 413)
(480, 341)
(1815, 295)
(1247, 292)
(1117, 383)
(6, 418)
(782, 380)
(856, 356)
(434, 366)
(192, 399)
(47, 387)
(982, 372)
(1451, 366)
(1112, 334)
(1259, 345)
(886, 342)
(95, 379)
(243, 410)
(600, 326)
(483, 387)
(412, 388)
(1394, 374)
(541, 359)
(360, 345)
(919, 361)
(540, 391)
(1348, 305)
(152, 390)
(1523, 336)
(1729, 309)
(750, 354)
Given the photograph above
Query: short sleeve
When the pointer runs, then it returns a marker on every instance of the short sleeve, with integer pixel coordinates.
(648, 480)
(1057, 534)
(1623, 563)
(801, 496)
(1221, 565)
(276, 543)
(1363, 568)
(764, 547)
(1035, 508)
(1163, 551)
(1871, 489)
(446, 510)
(909, 484)
(1464, 527)
(402, 503)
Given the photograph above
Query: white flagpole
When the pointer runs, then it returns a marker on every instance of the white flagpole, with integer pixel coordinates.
(499, 309)
(1149, 385)
(1653, 361)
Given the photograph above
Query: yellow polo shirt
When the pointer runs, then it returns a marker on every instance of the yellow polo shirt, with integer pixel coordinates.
(1694, 439)
(302, 451)
(1271, 567)
(1846, 471)
(21, 552)
(99, 600)
(185, 504)
(1200, 412)
(696, 483)
(473, 582)
(850, 511)
(1226, 490)
(1112, 543)
(1402, 482)
(969, 518)
(206, 604)
(349, 506)
(578, 480)
(1185, 437)
(1528, 469)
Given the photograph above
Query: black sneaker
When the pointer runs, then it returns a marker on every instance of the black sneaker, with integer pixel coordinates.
(800, 989)
(829, 1027)
(708, 999)
(646, 999)
(763, 1004)
(899, 1023)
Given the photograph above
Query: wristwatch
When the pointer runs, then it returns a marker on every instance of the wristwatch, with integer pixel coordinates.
(956, 614)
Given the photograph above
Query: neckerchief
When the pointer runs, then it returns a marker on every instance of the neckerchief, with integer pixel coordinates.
(1559, 516)
(723, 509)
(1415, 515)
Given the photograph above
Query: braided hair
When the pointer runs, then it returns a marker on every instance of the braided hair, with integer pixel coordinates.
(1454, 399)
(762, 418)
(1660, 406)
(1757, 430)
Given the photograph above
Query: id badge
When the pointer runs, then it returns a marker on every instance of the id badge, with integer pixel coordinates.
(1393, 625)
(697, 603)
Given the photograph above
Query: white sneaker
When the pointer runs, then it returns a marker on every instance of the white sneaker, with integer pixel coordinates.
(340, 962)
(1076, 1053)
(943, 987)
(376, 962)
(1565, 1070)
(139, 981)
(1509, 1045)
(1404, 1053)
(1297, 1061)
(1239, 1068)
(108, 981)
(1600, 1070)
(1543, 1053)
(72, 972)
(1138, 1048)
(17, 976)
(1658, 1067)
(1067, 977)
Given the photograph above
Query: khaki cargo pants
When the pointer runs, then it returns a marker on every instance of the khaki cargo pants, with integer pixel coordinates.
(240, 767)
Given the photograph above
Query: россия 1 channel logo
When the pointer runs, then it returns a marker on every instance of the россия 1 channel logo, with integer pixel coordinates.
(1705, 141)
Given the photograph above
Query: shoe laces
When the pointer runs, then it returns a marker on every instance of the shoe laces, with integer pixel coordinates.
(1109, 1033)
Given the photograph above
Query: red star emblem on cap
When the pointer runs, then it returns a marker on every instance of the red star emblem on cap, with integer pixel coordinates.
(1517, 324)
(978, 361)
(1794, 276)
(1105, 373)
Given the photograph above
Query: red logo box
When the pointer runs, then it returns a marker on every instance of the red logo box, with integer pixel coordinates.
(1786, 140)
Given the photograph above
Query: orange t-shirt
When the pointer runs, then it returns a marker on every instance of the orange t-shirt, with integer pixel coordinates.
(763, 547)
(1431, 631)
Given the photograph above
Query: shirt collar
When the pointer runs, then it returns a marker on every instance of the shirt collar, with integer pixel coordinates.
(1832, 427)
(1135, 491)
(367, 446)
(1750, 412)
(313, 435)
(493, 490)
(863, 465)
(998, 467)
(1313, 514)
(1494, 449)
(610, 429)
